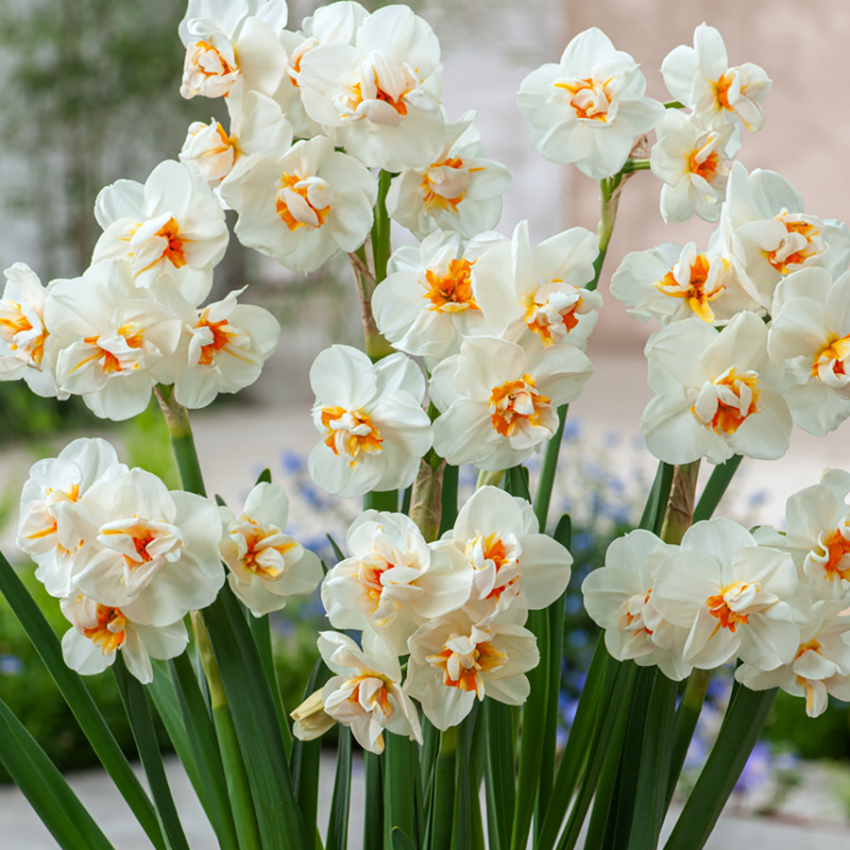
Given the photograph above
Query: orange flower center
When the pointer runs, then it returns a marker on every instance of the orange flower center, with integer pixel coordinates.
(516, 404)
(697, 293)
(433, 200)
(350, 433)
(207, 63)
(109, 633)
(451, 292)
(707, 169)
(785, 262)
(836, 546)
(463, 670)
(733, 390)
(174, 251)
(254, 537)
(834, 353)
(721, 90)
(719, 608)
(222, 335)
(291, 182)
(133, 335)
(589, 99)
(11, 326)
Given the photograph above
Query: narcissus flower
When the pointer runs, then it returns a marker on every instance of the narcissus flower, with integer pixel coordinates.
(365, 694)
(222, 349)
(426, 304)
(540, 291)
(810, 335)
(257, 126)
(374, 430)
(156, 555)
(232, 43)
(673, 282)
(455, 660)
(379, 98)
(393, 582)
(100, 632)
(460, 190)
(818, 536)
(266, 565)
(47, 528)
(106, 335)
(303, 207)
(693, 164)
(499, 403)
(716, 394)
(589, 108)
(732, 595)
(769, 236)
(171, 226)
(22, 331)
(619, 598)
(700, 77)
(512, 563)
(821, 666)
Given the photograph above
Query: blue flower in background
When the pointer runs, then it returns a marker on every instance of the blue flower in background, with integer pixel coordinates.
(11, 665)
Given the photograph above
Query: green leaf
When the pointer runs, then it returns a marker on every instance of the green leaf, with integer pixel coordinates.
(448, 498)
(257, 729)
(548, 469)
(401, 778)
(141, 722)
(462, 832)
(46, 790)
(745, 717)
(202, 739)
(687, 717)
(338, 820)
(500, 776)
(219, 500)
(443, 799)
(265, 477)
(401, 841)
(531, 740)
(80, 702)
(381, 500)
(716, 487)
(337, 551)
(656, 503)
(261, 629)
(373, 818)
(516, 482)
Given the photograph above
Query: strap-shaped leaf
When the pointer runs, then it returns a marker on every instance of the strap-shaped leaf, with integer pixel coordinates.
(338, 820)
(48, 793)
(80, 702)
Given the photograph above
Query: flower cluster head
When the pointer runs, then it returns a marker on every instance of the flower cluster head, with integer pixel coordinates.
(456, 607)
(128, 557)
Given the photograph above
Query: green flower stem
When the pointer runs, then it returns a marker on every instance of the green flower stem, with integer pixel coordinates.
(687, 716)
(182, 440)
(489, 478)
(547, 471)
(238, 787)
(381, 500)
(716, 487)
(680, 508)
(443, 801)
(633, 165)
(448, 498)
(381, 228)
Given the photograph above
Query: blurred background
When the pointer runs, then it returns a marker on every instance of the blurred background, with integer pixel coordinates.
(90, 95)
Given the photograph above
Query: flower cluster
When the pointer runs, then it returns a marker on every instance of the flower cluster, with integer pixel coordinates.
(455, 607)
(773, 601)
(129, 559)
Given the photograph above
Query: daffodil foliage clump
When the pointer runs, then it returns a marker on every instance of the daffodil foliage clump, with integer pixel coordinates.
(446, 621)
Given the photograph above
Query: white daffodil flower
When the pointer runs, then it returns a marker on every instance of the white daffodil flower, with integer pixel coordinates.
(154, 553)
(303, 207)
(820, 667)
(106, 335)
(374, 430)
(379, 98)
(460, 190)
(700, 77)
(100, 632)
(171, 226)
(540, 291)
(619, 598)
(232, 43)
(455, 660)
(47, 524)
(257, 126)
(512, 563)
(426, 306)
(394, 581)
(810, 335)
(818, 536)
(674, 282)
(336, 23)
(768, 235)
(365, 694)
(22, 332)
(716, 394)
(266, 565)
(589, 108)
(693, 164)
(732, 595)
(222, 348)
(498, 403)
